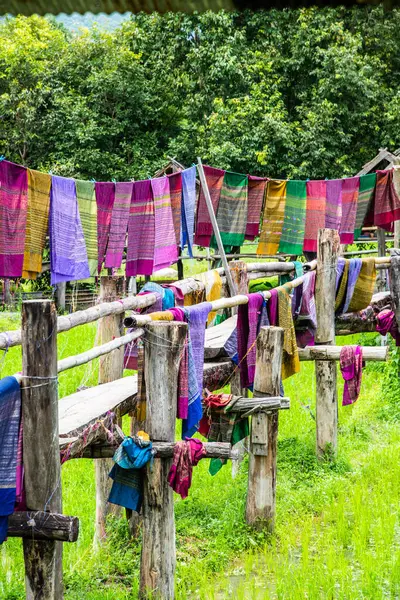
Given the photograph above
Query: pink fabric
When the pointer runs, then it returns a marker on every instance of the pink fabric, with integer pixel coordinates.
(165, 247)
(386, 323)
(186, 456)
(141, 231)
(183, 376)
(255, 198)
(119, 224)
(350, 187)
(203, 229)
(13, 215)
(105, 196)
(315, 214)
(351, 368)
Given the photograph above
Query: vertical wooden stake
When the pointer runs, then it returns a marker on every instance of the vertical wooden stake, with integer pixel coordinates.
(163, 349)
(394, 278)
(7, 292)
(261, 486)
(111, 367)
(43, 560)
(60, 295)
(381, 284)
(326, 392)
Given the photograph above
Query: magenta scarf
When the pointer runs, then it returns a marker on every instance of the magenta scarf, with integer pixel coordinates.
(351, 368)
(186, 456)
(118, 225)
(386, 323)
(105, 195)
(13, 214)
(141, 231)
(165, 246)
(247, 325)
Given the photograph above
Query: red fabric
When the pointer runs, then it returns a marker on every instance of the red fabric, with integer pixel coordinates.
(387, 202)
(186, 456)
(212, 401)
(204, 230)
(351, 368)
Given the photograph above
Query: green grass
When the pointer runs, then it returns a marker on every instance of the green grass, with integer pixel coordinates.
(337, 526)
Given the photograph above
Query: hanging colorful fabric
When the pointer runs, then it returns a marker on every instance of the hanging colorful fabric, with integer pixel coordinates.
(119, 224)
(175, 188)
(350, 188)
(294, 218)
(232, 210)
(188, 208)
(141, 231)
(204, 229)
(387, 202)
(315, 214)
(88, 214)
(105, 196)
(274, 211)
(37, 223)
(365, 196)
(364, 287)
(13, 213)
(165, 247)
(256, 193)
(333, 212)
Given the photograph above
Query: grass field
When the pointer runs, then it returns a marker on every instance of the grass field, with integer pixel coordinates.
(337, 529)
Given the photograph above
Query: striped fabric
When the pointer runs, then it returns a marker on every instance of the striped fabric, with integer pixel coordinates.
(387, 202)
(294, 219)
(68, 257)
(315, 214)
(204, 230)
(37, 223)
(175, 190)
(105, 195)
(165, 247)
(364, 287)
(365, 196)
(88, 214)
(232, 210)
(119, 224)
(255, 201)
(141, 231)
(13, 214)
(274, 211)
(333, 212)
(350, 188)
(188, 208)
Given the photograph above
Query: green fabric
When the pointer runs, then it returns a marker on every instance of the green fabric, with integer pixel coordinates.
(294, 219)
(88, 214)
(232, 210)
(260, 285)
(298, 272)
(365, 194)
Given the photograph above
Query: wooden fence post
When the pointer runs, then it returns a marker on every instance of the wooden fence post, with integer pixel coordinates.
(111, 367)
(163, 349)
(381, 278)
(43, 560)
(60, 295)
(261, 487)
(394, 278)
(325, 292)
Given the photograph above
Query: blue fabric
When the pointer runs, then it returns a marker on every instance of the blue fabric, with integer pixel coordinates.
(188, 208)
(10, 415)
(167, 295)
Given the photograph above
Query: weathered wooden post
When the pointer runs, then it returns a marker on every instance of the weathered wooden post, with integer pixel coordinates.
(381, 277)
(261, 487)
(43, 560)
(111, 367)
(60, 295)
(6, 292)
(394, 279)
(163, 348)
(326, 392)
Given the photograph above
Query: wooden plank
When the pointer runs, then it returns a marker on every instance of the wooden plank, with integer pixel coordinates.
(162, 449)
(43, 526)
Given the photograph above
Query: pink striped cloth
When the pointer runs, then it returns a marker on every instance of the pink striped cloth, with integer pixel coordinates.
(165, 247)
(333, 212)
(204, 230)
(315, 213)
(175, 187)
(255, 198)
(105, 195)
(141, 231)
(13, 214)
(350, 189)
(119, 224)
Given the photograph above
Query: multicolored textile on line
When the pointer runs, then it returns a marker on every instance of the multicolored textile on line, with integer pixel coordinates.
(364, 287)
(165, 247)
(341, 286)
(204, 230)
(351, 369)
(119, 224)
(315, 214)
(274, 211)
(88, 213)
(212, 286)
(365, 196)
(350, 187)
(105, 196)
(37, 223)
(387, 202)
(255, 199)
(247, 326)
(188, 208)
(232, 210)
(290, 357)
(141, 231)
(10, 417)
(68, 258)
(186, 456)
(307, 318)
(333, 211)
(294, 218)
(175, 189)
(178, 314)
(13, 214)
(354, 272)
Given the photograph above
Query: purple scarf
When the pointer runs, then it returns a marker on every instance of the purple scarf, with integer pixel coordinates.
(68, 256)
(105, 195)
(13, 215)
(307, 313)
(333, 214)
(119, 224)
(183, 378)
(354, 271)
(141, 231)
(339, 271)
(188, 208)
(165, 248)
(247, 325)
(351, 368)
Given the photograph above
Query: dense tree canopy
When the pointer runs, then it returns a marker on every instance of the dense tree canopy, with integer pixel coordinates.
(303, 93)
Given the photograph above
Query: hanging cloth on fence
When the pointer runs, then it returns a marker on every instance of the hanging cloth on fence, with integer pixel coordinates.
(10, 417)
(165, 248)
(351, 364)
(188, 208)
(354, 272)
(274, 211)
(141, 231)
(294, 218)
(105, 196)
(88, 214)
(186, 456)
(315, 214)
(247, 326)
(256, 192)
(387, 202)
(333, 212)
(365, 285)
(68, 258)
(350, 187)
(365, 197)
(118, 225)
(290, 358)
(341, 286)
(178, 314)
(13, 214)
(212, 286)
(232, 210)
(386, 323)
(175, 188)
(204, 229)
(37, 222)
(307, 318)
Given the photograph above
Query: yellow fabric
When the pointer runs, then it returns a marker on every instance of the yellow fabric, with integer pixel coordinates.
(343, 286)
(143, 435)
(164, 315)
(36, 222)
(213, 286)
(194, 298)
(365, 286)
(290, 355)
(274, 212)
